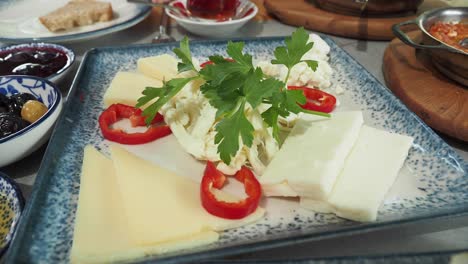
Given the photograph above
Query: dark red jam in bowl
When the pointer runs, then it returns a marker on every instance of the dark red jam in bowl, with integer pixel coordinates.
(40, 62)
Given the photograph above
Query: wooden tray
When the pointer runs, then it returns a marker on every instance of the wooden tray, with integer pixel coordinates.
(439, 101)
(307, 14)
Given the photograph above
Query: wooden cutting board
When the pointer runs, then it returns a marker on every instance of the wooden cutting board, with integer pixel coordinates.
(440, 102)
(306, 14)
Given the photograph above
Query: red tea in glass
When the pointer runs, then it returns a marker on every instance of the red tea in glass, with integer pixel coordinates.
(213, 9)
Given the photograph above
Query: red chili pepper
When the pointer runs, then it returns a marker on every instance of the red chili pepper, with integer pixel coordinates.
(117, 112)
(317, 100)
(229, 210)
(210, 62)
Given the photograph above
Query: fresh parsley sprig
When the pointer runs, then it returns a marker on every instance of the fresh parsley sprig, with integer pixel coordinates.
(230, 86)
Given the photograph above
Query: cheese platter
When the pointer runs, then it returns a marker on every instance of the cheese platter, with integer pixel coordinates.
(429, 185)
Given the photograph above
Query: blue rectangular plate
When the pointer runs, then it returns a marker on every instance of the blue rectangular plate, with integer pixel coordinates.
(433, 183)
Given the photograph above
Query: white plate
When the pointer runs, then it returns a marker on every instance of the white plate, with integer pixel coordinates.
(19, 21)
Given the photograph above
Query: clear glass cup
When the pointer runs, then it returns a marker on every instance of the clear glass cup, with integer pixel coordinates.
(213, 9)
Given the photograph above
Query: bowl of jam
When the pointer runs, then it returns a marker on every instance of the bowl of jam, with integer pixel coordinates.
(45, 60)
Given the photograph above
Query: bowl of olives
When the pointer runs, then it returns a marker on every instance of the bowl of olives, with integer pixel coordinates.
(29, 107)
(45, 60)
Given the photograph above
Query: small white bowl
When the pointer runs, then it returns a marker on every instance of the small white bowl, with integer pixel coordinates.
(212, 28)
(56, 77)
(22, 143)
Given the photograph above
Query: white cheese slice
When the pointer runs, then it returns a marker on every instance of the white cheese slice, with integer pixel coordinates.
(370, 170)
(312, 156)
(101, 232)
(155, 197)
(126, 88)
(162, 67)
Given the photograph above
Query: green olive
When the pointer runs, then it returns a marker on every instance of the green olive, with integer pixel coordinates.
(33, 110)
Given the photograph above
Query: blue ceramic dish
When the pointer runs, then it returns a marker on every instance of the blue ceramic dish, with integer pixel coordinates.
(432, 184)
(11, 206)
(20, 144)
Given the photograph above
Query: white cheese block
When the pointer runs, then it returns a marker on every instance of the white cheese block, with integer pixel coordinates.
(312, 156)
(155, 197)
(126, 88)
(370, 170)
(162, 67)
(101, 231)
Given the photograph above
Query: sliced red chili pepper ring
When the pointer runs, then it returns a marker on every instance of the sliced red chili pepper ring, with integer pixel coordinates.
(117, 112)
(317, 100)
(230, 210)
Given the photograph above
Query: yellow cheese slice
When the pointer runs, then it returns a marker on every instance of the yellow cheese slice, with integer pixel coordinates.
(101, 232)
(155, 197)
(162, 67)
(126, 88)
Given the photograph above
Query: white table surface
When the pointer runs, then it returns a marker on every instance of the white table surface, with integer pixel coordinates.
(446, 234)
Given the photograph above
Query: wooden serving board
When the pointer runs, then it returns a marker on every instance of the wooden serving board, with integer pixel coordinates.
(307, 14)
(439, 101)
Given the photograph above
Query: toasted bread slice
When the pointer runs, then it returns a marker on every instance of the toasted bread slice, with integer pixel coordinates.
(77, 13)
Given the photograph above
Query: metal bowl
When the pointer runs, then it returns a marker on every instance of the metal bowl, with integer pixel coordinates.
(369, 7)
(449, 60)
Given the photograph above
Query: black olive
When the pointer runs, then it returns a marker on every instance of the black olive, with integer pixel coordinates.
(17, 101)
(3, 103)
(11, 123)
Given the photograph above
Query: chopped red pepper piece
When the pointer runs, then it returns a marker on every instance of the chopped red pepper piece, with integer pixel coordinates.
(117, 112)
(317, 100)
(210, 62)
(229, 210)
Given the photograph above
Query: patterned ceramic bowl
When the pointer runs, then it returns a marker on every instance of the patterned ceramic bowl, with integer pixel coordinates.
(11, 205)
(20, 144)
(67, 57)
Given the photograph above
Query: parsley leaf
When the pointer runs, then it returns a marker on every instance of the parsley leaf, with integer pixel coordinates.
(296, 47)
(184, 54)
(229, 130)
(234, 49)
(256, 91)
(164, 94)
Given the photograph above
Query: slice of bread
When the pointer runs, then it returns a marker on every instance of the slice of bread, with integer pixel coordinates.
(77, 13)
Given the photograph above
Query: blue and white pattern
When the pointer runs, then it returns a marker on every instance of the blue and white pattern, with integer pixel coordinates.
(433, 182)
(11, 205)
(42, 89)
